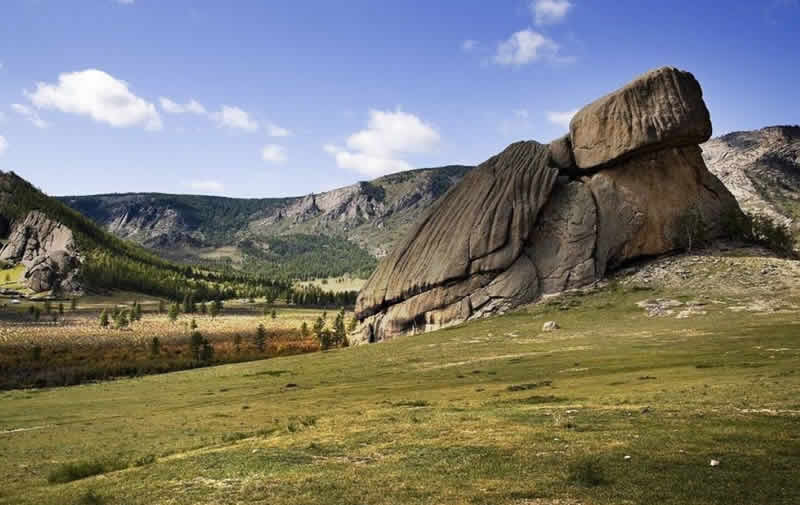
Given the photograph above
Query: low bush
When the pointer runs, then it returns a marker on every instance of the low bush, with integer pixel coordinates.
(69, 472)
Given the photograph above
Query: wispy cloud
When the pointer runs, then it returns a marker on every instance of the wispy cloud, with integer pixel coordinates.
(191, 106)
(469, 44)
(561, 118)
(525, 46)
(377, 149)
(30, 114)
(125, 2)
(276, 131)
(550, 11)
(235, 118)
(96, 94)
(274, 153)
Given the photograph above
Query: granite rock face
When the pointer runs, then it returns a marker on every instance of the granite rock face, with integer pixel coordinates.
(538, 219)
(661, 108)
(48, 251)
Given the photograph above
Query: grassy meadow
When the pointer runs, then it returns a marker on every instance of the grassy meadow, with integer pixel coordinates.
(614, 407)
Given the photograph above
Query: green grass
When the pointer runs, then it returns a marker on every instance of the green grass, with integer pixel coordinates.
(493, 412)
(12, 278)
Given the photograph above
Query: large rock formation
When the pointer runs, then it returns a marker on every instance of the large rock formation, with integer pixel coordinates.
(47, 250)
(513, 230)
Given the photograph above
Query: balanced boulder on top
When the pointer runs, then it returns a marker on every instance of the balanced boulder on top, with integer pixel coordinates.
(513, 230)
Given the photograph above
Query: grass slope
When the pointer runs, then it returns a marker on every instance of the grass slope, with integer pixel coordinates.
(493, 412)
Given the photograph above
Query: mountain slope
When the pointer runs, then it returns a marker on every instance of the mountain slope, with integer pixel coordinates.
(60, 249)
(350, 225)
(762, 170)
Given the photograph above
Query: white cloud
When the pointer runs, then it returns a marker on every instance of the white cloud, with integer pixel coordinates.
(29, 114)
(469, 45)
(561, 118)
(375, 151)
(234, 117)
(274, 153)
(175, 108)
(276, 131)
(3, 145)
(207, 186)
(96, 94)
(196, 108)
(524, 47)
(126, 2)
(550, 11)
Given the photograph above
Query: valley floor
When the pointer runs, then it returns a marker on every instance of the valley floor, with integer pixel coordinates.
(617, 406)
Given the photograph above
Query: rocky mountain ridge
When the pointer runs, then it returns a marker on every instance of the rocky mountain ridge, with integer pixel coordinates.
(370, 214)
(762, 170)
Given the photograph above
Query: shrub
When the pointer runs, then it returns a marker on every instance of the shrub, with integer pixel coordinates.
(69, 472)
(772, 235)
(147, 459)
(90, 497)
(587, 471)
(692, 230)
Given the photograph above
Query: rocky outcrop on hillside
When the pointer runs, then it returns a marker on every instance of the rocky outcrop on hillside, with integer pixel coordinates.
(372, 214)
(762, 170)
(539, 219)
(47, 250)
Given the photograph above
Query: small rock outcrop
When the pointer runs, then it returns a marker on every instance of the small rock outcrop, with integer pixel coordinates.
(539, 219)
(48, 251)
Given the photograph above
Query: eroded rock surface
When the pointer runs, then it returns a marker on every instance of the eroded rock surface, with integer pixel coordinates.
(48, 251)
(538, 219)
(659, 109)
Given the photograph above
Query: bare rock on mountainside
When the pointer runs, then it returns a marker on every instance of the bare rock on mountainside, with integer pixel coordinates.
(370, 214)
(762, 170)
(513, 230)
(48, 251)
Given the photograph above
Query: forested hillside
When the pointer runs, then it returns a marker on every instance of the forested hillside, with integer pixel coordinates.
(328, 234)
(108, 262)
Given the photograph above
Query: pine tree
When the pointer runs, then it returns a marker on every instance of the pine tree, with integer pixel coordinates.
(261, 337)
(195, 344)
(352, 325)
(203, 308)
(173, 312)
(122, 320)
(73, 304)
(213, 310)
(104, 319)
(273, 314)
(60, 309)
(339, 332)
(161, 306)
(155, 347)
(193, 325)
(304, 329)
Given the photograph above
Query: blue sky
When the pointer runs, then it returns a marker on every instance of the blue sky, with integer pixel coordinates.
(277, 98)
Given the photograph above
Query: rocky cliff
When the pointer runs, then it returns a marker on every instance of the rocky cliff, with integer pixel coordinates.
(47, 250)
(762, 170)
(539, 219)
